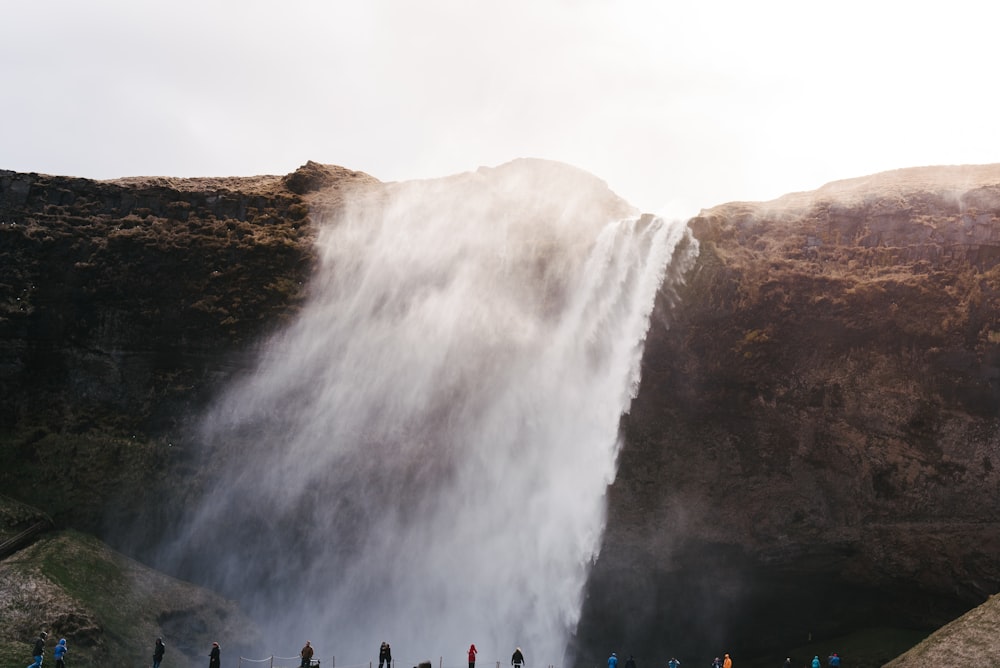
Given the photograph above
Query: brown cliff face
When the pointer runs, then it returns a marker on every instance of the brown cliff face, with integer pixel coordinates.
(122, 303)
(815, 447)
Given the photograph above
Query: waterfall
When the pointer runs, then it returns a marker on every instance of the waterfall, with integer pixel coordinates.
(422, 456)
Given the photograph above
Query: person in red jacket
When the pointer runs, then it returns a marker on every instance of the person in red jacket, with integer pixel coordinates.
(472, 656)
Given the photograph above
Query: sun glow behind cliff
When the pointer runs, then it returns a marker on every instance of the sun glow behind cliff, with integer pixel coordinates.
(422, 457)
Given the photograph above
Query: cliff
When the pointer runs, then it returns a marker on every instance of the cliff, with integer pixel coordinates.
(814, 448)
(815, 445)
(122, 304)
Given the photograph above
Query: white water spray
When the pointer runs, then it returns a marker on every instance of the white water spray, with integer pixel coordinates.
(422, 457)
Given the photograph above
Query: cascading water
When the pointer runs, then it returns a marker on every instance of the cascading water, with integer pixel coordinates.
(422, 457)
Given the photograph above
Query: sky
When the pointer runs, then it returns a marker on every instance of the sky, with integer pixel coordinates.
(678, 106)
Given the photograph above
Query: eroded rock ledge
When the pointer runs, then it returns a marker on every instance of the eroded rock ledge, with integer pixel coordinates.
(815, 447)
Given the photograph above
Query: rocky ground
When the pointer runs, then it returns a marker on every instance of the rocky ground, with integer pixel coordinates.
(110, 608)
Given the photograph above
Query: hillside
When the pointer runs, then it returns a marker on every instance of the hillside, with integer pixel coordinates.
(110, 608)
(814, 451)
(970, 640)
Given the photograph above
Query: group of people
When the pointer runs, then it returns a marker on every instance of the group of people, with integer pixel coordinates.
(833, 661)
(385, 656)
(38, 652)
(725, 662)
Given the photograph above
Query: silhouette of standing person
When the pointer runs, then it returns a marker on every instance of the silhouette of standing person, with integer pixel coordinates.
(213, 657)
(385, 655)
(307, 655)
(517, 659)
(39, 650)
(472, 656)
(631, 662)
(158, 651)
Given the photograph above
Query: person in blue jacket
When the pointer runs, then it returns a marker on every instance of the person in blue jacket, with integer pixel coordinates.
(60, 653)
(816, 663)
(613, 660)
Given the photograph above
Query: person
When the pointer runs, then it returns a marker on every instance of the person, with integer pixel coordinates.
(727, 662)
(214, 661)
(717, 663)
(816, 663)
(673, 663)
(517, 659)
(60, 653)
(38, 650)
(613, 660)
(631, 662)
(788, 663)
(384, 655)
(472, 656)
(307, 655)
(158, 651)
(834, 660)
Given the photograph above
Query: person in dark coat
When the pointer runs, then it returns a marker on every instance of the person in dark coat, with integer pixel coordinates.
(158, 651)
(517, 659)
(39, 650)
(385, 655)
(307, 655)
(213, 657)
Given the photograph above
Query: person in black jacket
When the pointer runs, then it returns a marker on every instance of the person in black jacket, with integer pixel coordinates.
(385, 655)
(213, 658)
(158, 651)
(39, 650)
(517, 659)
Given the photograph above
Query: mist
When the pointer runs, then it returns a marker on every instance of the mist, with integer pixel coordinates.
(422, 457)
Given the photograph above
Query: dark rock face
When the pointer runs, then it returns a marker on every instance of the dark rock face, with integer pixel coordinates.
(122, 303)
(815, 446)
(816, 443)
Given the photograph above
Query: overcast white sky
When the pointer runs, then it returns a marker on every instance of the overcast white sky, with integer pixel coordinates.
(675, 105)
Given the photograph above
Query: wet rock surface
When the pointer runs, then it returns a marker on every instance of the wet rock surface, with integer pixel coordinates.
(815, 445)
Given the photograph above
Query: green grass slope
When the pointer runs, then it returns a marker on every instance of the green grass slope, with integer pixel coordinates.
(109, 608)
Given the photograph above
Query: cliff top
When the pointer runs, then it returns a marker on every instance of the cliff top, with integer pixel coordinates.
(950, 180)
(310, 177)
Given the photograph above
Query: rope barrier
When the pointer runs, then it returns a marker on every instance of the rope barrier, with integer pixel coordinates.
(296, 663)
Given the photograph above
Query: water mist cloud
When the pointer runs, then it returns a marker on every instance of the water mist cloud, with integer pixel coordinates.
(422, 456)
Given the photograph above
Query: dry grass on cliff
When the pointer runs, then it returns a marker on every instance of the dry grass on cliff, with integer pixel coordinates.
(971, 640)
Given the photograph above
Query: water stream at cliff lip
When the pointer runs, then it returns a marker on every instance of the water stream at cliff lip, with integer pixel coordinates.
(422, 456)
